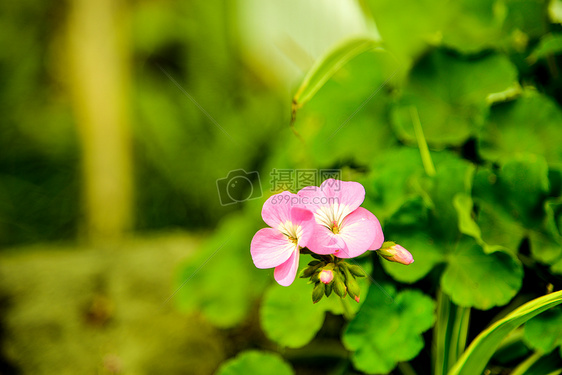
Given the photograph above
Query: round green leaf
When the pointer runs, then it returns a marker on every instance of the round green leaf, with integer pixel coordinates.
(425, 252)
(450, 95)
(530, 124)
(254, 362)
(476, 279)
(288, 316)
(388, 327)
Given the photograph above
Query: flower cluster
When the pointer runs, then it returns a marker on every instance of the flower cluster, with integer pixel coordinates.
(330, 223)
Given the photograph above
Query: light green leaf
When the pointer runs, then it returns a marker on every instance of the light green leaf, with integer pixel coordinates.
(476, 279)
(254, 362)
(476, 357)
(387, 329)
(450, 113)
(327, 65)
(423, 20)
(288, 316)
(473, 26)
(544, 332)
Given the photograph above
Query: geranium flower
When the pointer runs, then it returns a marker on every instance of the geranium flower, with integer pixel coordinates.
(279, 246)
(342, 227)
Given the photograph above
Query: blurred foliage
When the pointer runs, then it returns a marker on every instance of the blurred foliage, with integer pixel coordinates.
(485, 229)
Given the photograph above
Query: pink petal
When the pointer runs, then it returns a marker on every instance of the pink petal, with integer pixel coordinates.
(270, 248)
(348, 193)
(305, 219)
(324, 241)
(379, 236)
(333, 201)
(286, 272)
(358, 230)
(277, 209)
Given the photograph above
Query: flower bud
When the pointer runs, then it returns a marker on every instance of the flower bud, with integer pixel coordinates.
(396, 253)
(318, 292)
(339, 287)
(326, 276)
(353, 288)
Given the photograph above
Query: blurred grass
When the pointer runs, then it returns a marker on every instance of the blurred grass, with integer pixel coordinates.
(87, 310)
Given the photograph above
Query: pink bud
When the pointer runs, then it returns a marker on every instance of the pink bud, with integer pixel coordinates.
(326, 276)
(356, 299)
(398, 254)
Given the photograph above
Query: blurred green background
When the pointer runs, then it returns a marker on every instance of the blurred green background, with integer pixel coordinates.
(121, 122)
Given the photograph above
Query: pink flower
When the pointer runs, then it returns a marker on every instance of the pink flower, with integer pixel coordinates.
(396, 253)
(342, 227)
(278, 246)
(326, 276)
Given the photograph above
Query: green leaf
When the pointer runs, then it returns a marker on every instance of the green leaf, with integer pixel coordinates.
(475, 358)
(474, 25)
(346, 119)
(394, 180)
(388, 330)
(530, 124)
(544, 332)
(427, 254)
(327, 65)
(449, 333)
(254, 362)
(464, 206)
(428, 232)
(476, 279)
(524, 184)
(450, 113)
(546, 242)
(205, 281)
(288, 316)
(423, 20)
(497, 225)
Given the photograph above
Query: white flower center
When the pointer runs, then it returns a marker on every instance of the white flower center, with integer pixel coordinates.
(331, 216)
(291, 230)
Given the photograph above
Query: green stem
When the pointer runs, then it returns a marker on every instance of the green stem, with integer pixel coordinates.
(459, 333)
(422, 143)
(449, 335)
(440, 365)
(526, 364)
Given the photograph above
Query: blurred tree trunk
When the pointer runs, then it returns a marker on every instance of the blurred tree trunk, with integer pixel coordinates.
(98, 57)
